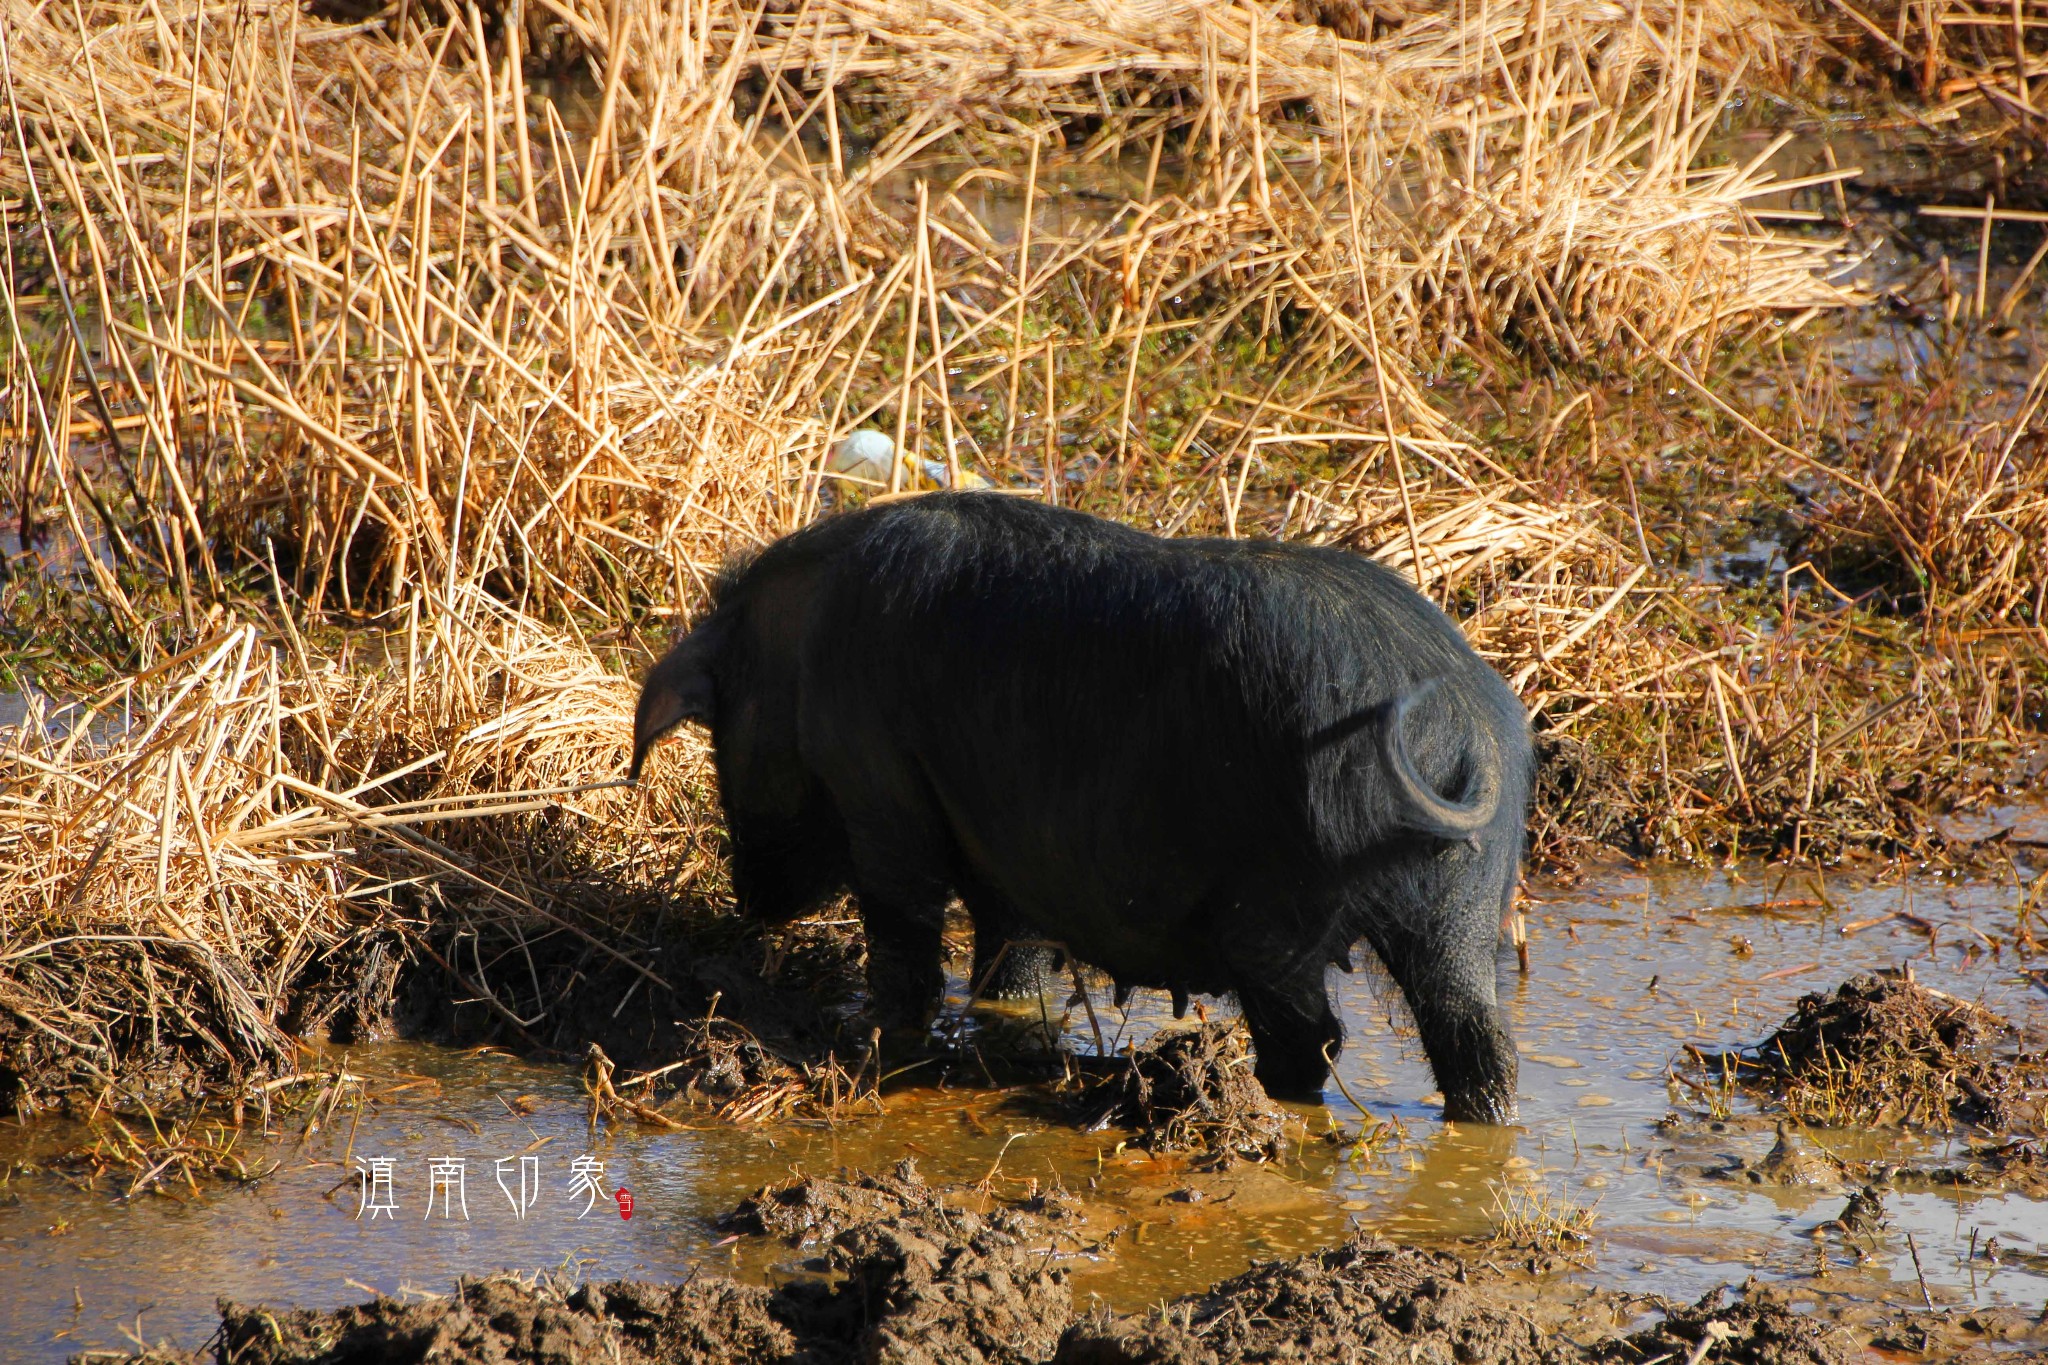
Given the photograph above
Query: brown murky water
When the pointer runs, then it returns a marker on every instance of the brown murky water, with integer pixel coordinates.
(1901, 255)
(1625, 970)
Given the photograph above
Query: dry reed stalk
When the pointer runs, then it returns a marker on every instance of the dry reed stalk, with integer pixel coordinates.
(402, 371)
(1959, 53)
(181, 853)
(1953, 515)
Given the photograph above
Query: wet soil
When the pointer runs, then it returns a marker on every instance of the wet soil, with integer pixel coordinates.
(942, 1286)
(1370, 1300)
(1363, 1302)
(933, 1287)
(1754, 1325)
(2011, 1164)
(928, 1282)
(503, 1320)
(1791, 1161)
(808, 1209)
(1367, 1300)
(1885, 1050)
(1799, 1161)
(805, 1209)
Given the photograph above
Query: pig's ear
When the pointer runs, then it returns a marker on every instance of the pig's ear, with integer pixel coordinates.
(677, 690)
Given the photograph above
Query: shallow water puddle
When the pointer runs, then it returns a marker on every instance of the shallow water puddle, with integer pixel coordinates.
(1625, 971)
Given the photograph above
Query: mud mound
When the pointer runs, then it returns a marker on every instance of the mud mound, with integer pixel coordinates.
(811, 1209)
(1372, 1301)
(1191, 1090)
(1793, 1160)
(942, 1289)
(1365, 1301)
(919, 1274)
(1755, 1326)
(504, 1320)
(1891, 1052)
(949, 1288)
(807, 1209)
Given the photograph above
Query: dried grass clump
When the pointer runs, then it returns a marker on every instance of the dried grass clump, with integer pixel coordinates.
(1224, 67)
(1952, 517)
(424, 342)
(1549, 198)
(424, 331)
(1599, 241)
(1673, 725)
(186, 857)
(725, 1067)
(144, 942)
(1558, 202)
(1540, 1218)
(1683, 732)
(481, 712)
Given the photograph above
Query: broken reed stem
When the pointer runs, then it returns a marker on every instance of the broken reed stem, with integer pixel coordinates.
(1023, 290)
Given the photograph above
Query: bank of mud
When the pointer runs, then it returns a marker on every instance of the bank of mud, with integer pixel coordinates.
(1881, 1049)
(885, 1266)
(952, 1276)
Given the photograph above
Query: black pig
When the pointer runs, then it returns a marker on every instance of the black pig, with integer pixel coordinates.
(1202, 765)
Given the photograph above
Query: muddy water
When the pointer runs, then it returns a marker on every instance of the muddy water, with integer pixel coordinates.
(1624, 972)
(1910, 261)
